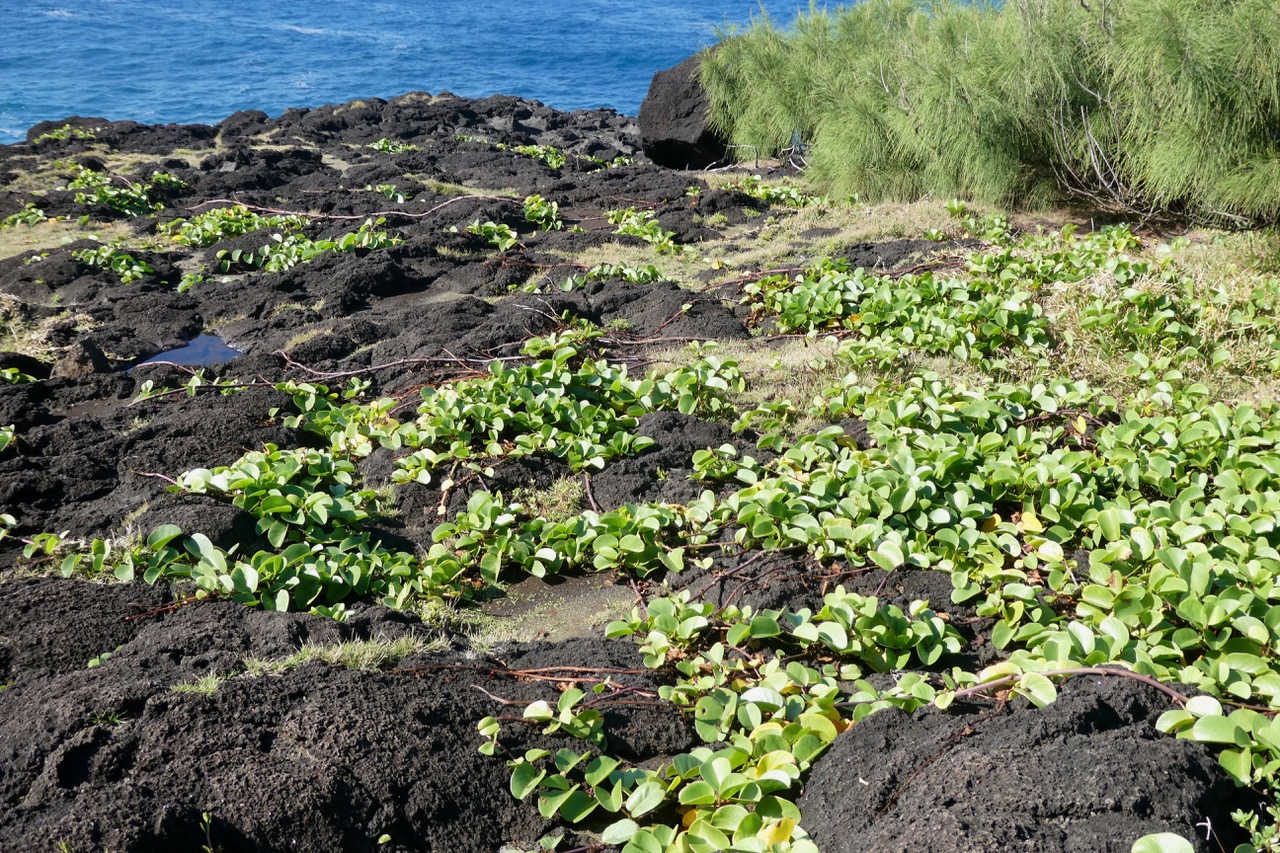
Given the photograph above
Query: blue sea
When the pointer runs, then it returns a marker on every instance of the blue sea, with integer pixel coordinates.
(200, 61)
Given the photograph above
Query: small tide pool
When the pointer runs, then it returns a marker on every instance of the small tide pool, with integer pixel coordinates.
(200, 351)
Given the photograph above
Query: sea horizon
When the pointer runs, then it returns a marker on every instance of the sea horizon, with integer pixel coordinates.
(161, 62)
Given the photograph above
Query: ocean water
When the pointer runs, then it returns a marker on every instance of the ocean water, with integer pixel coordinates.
(200, 61)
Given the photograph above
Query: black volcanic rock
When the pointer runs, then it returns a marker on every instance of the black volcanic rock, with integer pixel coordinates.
(674, 125)
(99, 751)
(1088, 772)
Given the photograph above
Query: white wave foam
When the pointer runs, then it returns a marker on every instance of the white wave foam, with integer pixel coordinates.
(306, 31)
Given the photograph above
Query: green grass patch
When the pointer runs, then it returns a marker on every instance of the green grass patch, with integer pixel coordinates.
(366, 655)
(205, 685)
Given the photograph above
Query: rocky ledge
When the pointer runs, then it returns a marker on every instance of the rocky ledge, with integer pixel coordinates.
(105, 742)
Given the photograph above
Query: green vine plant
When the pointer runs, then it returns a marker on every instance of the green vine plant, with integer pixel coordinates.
(1006, 487)
(647, 274)
(390, 192)
(1124, 529)
(286, 248)
(500, 236)
(314, 513)
(14, 376)
(644, 224)
(1162, 596)
(642, 275)
(549, 154)
(117, 193)
(223, 223)
(765, 716)
(191, 279)
(30, 216)
(286, 251)
(64, 133)
(537, 211)
(543, 213)
(198, 382)
(785, 193)
(391, 146)
(887, 317)
(113, 259)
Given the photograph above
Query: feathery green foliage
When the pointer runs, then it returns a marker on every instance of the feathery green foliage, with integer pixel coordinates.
(1140, 104)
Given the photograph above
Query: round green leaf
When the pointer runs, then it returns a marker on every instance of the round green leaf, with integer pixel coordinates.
(1204, 706)
(1162, 842)
(1050, 551)
(619, 832)
(888, 555)
(645, 798)
(525, 778)
(1219, 730)
(162, 535)
(697, 793)
(1037, 688)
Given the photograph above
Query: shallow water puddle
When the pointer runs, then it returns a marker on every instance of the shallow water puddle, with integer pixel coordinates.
(200, 351)
(565, 608)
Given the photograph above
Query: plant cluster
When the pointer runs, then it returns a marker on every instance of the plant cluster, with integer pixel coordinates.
(543, 213)
(289, 250)
(976, 318)
(126, 266)
(391, 146)
(785, 193)
(1147, 106)
(118, 194)
(191, 279)
(1096, 533)
(14, 376)
(1126, 308)
(549, 154)
(556, 159)
(498, 235)
(315, 515)
(765, 715)
(1099, 527)
(647, 274)
(30, 215)
(1005, 489)
(390, 192)
(197, 383)
(564, 404)
(223, 223)
(645, 225)
(62, 134)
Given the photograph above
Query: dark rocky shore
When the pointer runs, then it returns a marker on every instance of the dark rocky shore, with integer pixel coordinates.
(320, 757)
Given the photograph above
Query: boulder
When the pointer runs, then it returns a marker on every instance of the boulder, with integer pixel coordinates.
(86, 123)
(1087, 772)
(33, 367)
(675, 127)
(83, 358)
